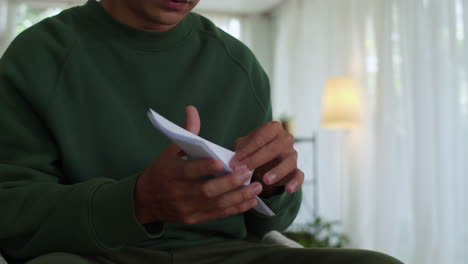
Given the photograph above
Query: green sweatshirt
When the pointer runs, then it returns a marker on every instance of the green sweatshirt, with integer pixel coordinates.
(74, 135)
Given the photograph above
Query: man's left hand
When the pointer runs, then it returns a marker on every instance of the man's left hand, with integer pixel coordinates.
(269, 150)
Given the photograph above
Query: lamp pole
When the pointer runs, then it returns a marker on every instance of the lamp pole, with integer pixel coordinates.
(315, 182)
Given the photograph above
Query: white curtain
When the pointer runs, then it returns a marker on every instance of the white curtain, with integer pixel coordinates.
(10, 15)
(310, 45)
(228, 22)
(402, 186)
(3, 16)
(6, 21)
(254, 30)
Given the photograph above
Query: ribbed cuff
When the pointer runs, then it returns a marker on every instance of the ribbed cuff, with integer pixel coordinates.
(112, 215)
(279, 203)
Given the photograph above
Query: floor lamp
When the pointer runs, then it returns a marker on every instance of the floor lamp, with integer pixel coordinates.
(341, 109)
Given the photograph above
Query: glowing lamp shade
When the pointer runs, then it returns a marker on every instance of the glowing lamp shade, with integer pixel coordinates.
(341, 104)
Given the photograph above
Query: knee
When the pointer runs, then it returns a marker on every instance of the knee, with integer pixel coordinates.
(59, 258)
(373, 257)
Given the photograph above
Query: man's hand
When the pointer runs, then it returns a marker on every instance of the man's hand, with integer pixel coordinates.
(169, 190)
(270, 150)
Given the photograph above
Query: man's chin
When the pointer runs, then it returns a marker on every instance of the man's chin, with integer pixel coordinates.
(167, 18)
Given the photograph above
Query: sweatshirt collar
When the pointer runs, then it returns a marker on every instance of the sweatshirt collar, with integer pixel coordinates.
(135, 37)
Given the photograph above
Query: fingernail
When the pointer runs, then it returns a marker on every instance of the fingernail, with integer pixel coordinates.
(234, 162)
(256, 190)
(293, 186)
(240, 166)
(245, 174)
(270, 178)
(253, 203)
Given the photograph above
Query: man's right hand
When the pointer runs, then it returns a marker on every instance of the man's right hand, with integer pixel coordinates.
(169, 190)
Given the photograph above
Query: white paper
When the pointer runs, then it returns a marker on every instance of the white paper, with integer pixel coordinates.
(199, 148)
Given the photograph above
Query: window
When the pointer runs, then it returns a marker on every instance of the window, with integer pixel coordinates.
(28, 15)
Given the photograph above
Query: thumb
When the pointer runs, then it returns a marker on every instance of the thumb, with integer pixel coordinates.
(192, 124)
(192, 120)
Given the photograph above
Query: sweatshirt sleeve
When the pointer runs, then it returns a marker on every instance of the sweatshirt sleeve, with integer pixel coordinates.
(285, 206)
(38, 212)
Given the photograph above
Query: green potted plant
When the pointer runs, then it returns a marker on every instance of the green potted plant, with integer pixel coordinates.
(320, 233)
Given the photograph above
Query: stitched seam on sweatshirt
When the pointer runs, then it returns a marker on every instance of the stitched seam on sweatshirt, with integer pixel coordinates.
(54, 92)
(242, 67)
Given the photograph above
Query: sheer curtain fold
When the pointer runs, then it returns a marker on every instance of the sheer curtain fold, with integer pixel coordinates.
(3, 16)
(403, 190)
(5, 24)
(309, 43)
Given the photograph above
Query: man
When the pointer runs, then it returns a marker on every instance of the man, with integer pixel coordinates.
(78, 178)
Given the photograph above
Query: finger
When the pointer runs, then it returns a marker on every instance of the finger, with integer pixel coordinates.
(216, 214)
(173, 151)
(220, 185)
(287, 165)
(239, 143)
(257, 139)
(296, 181)
(192, 120)
(276, 148)
(194, 169)
(238, 196)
